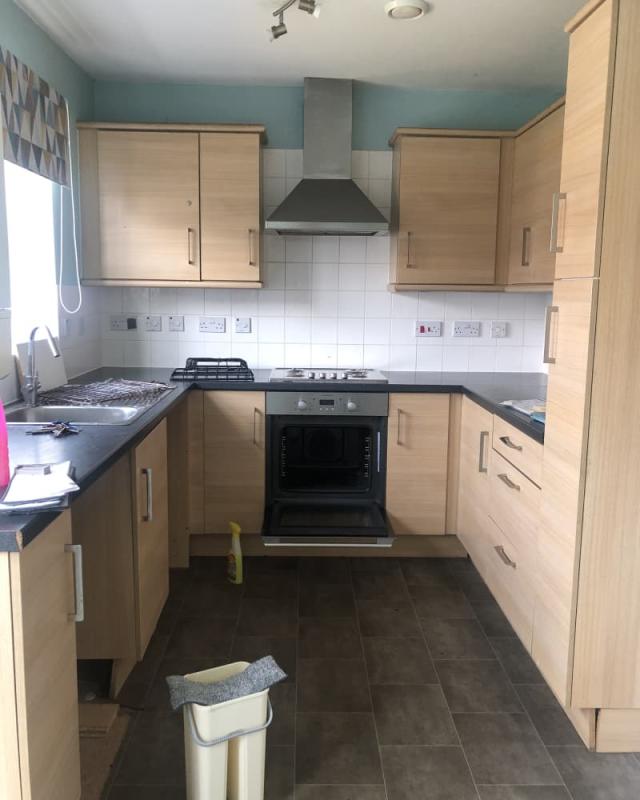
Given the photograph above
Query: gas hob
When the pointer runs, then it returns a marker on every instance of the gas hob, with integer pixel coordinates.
(300, 375)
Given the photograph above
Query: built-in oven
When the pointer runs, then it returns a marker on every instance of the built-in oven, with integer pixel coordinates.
(326, 469)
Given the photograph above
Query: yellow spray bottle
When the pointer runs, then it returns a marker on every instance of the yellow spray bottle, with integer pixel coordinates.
(234, 559)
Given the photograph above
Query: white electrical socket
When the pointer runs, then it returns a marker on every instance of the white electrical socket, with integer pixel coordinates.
(118, 322)
(153, 323)
(466, 329)
(176, 324)
(243, 324)
(426, 328)
(213, 325)
(499, 330)
(68, 327)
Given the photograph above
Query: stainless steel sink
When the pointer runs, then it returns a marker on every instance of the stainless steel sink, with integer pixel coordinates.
(80, 415)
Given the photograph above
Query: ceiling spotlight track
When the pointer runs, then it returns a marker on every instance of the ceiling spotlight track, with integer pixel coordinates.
(312, 7)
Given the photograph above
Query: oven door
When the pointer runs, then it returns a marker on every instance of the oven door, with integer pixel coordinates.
(330, 523)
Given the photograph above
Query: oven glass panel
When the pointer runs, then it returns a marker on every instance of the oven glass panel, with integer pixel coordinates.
(331, 516)
(325, 458)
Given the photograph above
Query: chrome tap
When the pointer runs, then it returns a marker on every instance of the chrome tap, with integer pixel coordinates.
(31, 382)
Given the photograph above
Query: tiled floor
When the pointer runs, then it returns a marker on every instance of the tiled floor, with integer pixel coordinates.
(406, 682)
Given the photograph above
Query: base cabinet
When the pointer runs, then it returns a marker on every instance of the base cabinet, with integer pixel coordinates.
(417, 456)
(39, 735)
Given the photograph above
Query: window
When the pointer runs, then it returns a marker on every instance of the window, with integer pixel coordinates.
(32, 252)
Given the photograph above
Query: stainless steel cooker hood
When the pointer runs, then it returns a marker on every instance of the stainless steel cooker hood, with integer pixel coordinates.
(327, 200)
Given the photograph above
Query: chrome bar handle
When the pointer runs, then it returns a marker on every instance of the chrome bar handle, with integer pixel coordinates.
(547, 357)
(526, 238)
(554, 247)
(409, 264)
(506, 440)
(508, 482)
(190, 248)
(504, 557)
(76, 551)
(398, 438)
(252, 259)
(484, 437)
(378, 445)
(148, 473)
(256, 413)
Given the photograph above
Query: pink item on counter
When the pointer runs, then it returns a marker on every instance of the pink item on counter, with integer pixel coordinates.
(4, 449)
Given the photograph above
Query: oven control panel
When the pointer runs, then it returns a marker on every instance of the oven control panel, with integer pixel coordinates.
(319, 404)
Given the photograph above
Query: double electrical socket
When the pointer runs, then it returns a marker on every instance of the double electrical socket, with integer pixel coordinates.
(213, 325)
(121, 322)
(469, 328)
(425, 328)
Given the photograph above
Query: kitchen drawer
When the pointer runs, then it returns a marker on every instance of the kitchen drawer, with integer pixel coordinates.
(507, 573)
(518, 448)
(514, 506)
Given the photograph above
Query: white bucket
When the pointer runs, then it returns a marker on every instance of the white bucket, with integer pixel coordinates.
(232, 769)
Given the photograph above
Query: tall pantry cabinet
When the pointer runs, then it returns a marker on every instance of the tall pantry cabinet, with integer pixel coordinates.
(586, 637)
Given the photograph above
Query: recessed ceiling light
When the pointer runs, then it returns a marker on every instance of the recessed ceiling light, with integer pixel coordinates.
(406, 9)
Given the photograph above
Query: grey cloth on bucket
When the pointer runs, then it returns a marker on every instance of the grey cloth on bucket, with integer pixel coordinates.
(255, 678)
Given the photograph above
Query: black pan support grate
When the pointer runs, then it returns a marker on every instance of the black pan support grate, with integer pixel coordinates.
(213, 369)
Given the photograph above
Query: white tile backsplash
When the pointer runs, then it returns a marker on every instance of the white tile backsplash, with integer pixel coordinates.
(325, 303)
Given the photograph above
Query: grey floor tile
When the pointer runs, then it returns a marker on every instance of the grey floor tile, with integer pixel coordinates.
(340, 793)
(270, 565)
(398, 661)
(279, 773)
(523, 793)
(136, 687)
(282, 730)
(326, 637)
(427, 572)
(412, 715)
(332, 685)
(456, 638)
(380, 565)
(427, 773)
(459, 564)
(493, 621)
(251, 648)
(547, 715)
(146, 793)
(326, 600)
(389, 622)
(476, 590)
(271, 586)
(477, 686)
(268, 617)
(518, 664)
(194, 637)
(437, 602)
(380, 591)
(154, 753)
(505, 749)
(324, 570)
(598, 776)
(337, 749)
(208, 599)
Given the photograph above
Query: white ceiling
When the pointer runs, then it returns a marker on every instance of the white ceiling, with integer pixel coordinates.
(461, 44)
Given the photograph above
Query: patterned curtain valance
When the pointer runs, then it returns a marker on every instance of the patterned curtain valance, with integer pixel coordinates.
(34, 121)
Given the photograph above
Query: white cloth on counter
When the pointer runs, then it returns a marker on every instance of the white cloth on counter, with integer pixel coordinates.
(38, 486)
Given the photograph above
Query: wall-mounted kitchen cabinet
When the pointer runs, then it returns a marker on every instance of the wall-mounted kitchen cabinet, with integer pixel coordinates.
(170, 205)
(534, 200)
(444, 209)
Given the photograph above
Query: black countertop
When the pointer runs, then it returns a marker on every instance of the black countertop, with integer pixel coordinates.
(97, 447)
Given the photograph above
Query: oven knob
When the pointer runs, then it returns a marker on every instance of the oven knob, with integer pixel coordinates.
(351, 406)
(302, 404)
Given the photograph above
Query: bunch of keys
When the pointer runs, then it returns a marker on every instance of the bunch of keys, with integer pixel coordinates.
(57, 429)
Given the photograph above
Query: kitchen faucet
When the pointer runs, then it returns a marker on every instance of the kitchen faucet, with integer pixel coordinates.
(31, 381)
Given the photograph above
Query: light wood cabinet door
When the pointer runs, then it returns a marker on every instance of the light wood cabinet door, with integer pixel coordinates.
(102, 525)
(417, 455)
(234, 460)
(230, 206)
(151, 532)
(476, 428)
(536, 178)
(563, 466)
(147, 183)
(585, 145)
(448, 210)
(44, 644)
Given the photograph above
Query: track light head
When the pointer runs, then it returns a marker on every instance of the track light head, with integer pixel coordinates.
(310, 6)
(276, 31)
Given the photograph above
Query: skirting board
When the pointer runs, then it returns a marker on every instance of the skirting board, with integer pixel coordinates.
(403, 547)
(618, 730)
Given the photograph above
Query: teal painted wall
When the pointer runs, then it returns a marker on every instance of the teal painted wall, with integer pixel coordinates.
(377, 110)
(20, 35)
